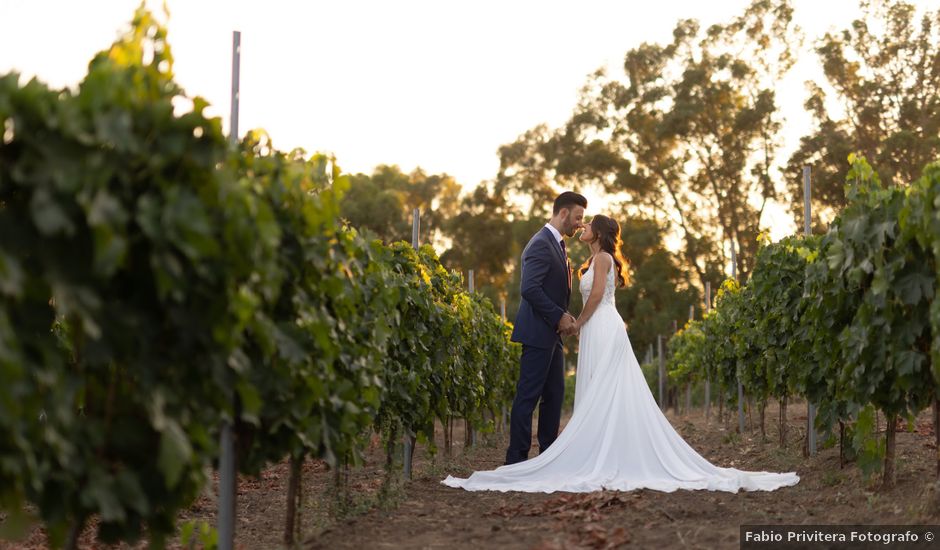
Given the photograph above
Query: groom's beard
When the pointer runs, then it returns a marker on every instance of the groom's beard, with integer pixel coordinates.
(570, 227)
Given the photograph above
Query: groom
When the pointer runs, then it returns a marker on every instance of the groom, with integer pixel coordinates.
(542, 320)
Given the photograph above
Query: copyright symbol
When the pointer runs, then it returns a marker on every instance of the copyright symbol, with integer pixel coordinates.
(928, 535)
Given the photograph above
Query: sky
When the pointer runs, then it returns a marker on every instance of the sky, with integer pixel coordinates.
(435, 84)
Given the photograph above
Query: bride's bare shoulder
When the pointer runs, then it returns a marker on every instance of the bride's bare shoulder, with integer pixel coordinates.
(603, 260)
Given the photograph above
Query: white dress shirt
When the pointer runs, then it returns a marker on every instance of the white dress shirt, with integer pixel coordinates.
(554, 232)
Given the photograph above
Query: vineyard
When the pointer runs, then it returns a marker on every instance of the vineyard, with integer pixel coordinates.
(156, 282)
(163, 285)
(847, 321)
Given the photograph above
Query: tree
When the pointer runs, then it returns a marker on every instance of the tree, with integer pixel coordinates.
(884, 73)
(689, 136)
(659, 293)
(383, 202)
(481, 233)
(368, 205)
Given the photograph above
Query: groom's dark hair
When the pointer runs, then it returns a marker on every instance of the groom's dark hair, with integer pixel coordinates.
(567, 200)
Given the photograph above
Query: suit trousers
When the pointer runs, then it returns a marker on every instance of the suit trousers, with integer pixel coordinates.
(541, 377)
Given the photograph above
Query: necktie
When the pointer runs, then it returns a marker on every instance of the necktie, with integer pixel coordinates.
(564, 251)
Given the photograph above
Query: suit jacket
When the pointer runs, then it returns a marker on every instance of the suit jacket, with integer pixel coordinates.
(546, 291)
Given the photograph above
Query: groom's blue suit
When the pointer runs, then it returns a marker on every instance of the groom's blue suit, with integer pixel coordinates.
(546, 291)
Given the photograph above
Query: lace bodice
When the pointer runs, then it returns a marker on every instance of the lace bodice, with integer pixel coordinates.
(587, 282)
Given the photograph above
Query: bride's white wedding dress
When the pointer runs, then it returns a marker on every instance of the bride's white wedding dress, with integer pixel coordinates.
(617, 438)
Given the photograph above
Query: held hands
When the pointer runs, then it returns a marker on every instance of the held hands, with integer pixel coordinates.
(568, 326)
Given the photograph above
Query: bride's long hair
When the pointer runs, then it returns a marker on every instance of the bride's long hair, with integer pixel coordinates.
(607, 233)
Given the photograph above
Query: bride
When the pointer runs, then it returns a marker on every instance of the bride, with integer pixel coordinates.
(617, 437)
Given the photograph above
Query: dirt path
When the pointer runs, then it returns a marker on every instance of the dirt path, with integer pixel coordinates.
(425, 514)
(434, 516)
